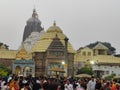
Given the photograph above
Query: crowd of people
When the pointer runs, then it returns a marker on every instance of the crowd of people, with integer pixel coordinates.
(43, 83)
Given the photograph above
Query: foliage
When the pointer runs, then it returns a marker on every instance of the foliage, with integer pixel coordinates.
(117, 55)
(107, 44)
(4, 70)
(110, 77)
(85, 70)
(6, 46)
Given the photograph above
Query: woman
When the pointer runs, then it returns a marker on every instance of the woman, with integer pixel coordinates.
(15, 86)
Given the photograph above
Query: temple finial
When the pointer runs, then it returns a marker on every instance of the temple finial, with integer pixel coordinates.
(35, 15)
(54, 24)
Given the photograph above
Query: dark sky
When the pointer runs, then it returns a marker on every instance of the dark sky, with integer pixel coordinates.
(83, 21)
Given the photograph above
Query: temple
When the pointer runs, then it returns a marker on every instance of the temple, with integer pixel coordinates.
(49, 52)
(32, 31)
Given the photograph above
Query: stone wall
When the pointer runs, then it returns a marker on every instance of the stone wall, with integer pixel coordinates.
(70, 64)
(39, 64)
(7, 62)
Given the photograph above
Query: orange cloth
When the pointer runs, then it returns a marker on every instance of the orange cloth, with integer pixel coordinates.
(113, 87)
(11, 85)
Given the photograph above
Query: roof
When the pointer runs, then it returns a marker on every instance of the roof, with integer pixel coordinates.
(54, 28)
(100, 46)
(22, 54)
(46, 39)
(8, 54)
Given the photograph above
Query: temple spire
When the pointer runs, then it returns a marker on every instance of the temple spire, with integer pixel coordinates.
(54, 24)
(35, 15)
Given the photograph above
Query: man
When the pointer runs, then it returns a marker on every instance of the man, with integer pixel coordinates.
(91, 84)
(68, 86)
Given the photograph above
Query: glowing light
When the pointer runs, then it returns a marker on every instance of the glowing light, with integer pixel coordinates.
(92, 62)
(63, 62)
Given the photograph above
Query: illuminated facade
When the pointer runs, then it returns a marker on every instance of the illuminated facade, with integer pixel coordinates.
(102, 63)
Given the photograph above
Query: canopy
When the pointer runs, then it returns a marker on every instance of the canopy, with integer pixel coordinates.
(83, 75)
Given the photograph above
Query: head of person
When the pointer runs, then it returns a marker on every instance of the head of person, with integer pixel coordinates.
(67, 81)
(92, 78)
(79, 81)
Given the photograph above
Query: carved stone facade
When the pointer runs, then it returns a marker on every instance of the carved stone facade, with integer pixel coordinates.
(53, 57)
(40, 60)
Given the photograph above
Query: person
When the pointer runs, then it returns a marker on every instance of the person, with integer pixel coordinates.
(63, 82)
(11, 84)
(36, 85)
(78, 84)
(15, 86)
(3, 82)
(113, 87)
(91, 84)
(5, 87)
(26, 87)
(98, 85)
(68, 86)
(84, 84)
(108, 87)
(0, 82)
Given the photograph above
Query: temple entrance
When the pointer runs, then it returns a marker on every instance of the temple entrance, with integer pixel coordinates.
(18, 70)
(24, 68)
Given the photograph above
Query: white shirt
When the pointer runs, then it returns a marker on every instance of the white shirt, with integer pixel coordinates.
(5, 87)
(2, 84)
(78, 85)
(24, 81)
(91, 85)
(68, 87)
(9, 79)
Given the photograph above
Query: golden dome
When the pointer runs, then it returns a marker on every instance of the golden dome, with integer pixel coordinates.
(54, 28)
(46, 39)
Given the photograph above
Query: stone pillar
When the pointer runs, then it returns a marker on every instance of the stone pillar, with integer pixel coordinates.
(66, 56)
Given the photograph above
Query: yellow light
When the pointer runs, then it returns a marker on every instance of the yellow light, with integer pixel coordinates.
(92, 62)
(63, 62)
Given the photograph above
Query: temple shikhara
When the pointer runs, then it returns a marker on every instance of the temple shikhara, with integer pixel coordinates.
(42, 52)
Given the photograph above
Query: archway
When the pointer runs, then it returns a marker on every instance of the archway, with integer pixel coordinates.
(27, 71)
(18, 70)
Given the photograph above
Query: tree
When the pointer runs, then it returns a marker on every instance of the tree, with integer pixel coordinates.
(6, 46)
(4, 70)
(110, 77)
(112, 49)
(85, 70)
